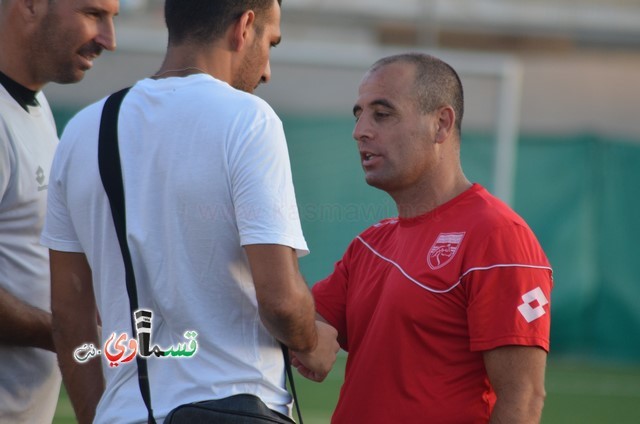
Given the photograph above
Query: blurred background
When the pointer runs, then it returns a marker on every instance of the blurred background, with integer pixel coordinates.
(552, 126)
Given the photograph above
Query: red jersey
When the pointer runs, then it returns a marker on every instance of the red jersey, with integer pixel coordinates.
(418, 301)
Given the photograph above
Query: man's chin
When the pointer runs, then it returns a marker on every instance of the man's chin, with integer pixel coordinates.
(245, 86)
(70, 77)
(373, 182)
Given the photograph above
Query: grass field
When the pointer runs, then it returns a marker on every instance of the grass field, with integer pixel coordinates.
(577, 393)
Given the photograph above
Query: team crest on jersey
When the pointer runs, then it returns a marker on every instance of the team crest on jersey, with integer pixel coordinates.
(444, 249)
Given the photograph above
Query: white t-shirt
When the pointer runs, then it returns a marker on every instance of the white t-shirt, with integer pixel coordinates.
(29, 377)
(206, 171)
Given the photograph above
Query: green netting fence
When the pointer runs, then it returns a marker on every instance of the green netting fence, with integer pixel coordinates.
(580, 194)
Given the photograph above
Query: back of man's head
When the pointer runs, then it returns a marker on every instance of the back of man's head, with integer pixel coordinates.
(203, 21)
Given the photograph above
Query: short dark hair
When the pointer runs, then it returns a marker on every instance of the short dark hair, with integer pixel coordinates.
(437, 84)
(203, 21)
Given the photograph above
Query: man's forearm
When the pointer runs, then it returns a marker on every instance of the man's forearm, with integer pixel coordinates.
(74, 323)
(517, 376)
(22, 324)
(522, 410)
(291, 321)
(84, 382)
(284, 300)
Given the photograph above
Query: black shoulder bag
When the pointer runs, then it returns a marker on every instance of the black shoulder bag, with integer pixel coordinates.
(238, 409)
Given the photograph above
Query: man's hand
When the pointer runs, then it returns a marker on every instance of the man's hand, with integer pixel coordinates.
(316, 364)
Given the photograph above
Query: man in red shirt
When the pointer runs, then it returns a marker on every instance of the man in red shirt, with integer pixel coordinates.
(444, 310)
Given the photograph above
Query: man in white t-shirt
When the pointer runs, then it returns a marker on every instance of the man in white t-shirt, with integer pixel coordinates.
(212, 226)
(40, 42)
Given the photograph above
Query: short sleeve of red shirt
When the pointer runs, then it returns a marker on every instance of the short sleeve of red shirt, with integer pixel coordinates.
(330, 297)
(508, 283)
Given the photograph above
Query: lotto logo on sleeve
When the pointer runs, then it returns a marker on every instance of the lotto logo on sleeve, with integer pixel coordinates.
(533, 304)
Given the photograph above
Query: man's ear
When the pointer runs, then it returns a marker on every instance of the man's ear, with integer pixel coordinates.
(446, 118)
(31, 7)
(31, 10)
(241, 28)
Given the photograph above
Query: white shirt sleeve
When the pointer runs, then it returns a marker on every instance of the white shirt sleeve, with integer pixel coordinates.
(262, 186)
(59, 233)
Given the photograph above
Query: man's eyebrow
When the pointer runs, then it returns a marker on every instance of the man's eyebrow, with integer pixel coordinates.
(382, 102)
(97, 9)
(377, 102)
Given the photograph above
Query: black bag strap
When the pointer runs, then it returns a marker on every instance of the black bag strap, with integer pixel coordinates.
(292, 386)
(111, 175)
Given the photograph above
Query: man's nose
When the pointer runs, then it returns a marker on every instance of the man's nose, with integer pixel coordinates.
(107, 35)
(266, 76)
(362, 130)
